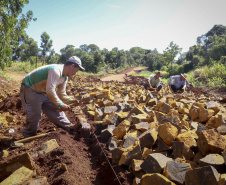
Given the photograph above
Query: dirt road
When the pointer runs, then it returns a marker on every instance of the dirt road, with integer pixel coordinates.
(121, 77)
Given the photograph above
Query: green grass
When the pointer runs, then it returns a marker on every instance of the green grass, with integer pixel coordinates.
(2, 73)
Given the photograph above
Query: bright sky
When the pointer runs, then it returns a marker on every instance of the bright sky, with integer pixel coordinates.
(124, 24)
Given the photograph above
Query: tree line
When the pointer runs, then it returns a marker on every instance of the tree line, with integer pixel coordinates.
(17, 46)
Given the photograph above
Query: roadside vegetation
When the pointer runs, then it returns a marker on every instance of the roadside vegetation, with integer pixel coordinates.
(204, 62)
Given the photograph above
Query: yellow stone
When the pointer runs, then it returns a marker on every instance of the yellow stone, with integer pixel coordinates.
(18, 177)
(155, 178)
(121, 129)
(146, 152)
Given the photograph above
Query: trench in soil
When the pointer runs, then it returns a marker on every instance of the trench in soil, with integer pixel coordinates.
(84, 158)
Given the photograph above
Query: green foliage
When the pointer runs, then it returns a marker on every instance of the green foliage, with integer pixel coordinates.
(11, 26)
(3, 65)
(46, 44)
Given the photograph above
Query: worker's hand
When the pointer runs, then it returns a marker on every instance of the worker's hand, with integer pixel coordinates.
(65, 107)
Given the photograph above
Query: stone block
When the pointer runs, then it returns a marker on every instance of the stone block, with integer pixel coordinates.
(141, 118)
(12, 165)
(204, 175)
(106, 134)
(156, 178)
(161, 146)
(116, 154)
(38, 181)
(189, 138)
(121, 129)
(128, 156)
(135, 165)
(222, 129)
(48, 146)
(215, 121)
(155, 163)
(180, 149)
(85, 130)
(165, 108)
(213, 105)
(107, 103)
(4, 154)
(143, 126)
(146, 152)
(120, 106)
(152, 102)
(110, 109)
(137, 110)
(148, 138)
(19, 176)
(215, 160)
(210, 141)
(86, 99)
(162, 118)
(129, 141)
(167, 132)
(98, 126)
(122, 115)
(175, 171)
(113, 143)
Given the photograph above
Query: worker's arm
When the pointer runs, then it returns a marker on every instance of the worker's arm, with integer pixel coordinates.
(53, 77)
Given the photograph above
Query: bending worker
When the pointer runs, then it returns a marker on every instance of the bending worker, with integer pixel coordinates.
(154, 82)
(178, 83)
(45, 89)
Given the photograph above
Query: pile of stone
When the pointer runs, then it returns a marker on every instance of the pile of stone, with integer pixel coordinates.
(163, 138)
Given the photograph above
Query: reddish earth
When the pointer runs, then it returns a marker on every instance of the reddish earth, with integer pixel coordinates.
(85, 160)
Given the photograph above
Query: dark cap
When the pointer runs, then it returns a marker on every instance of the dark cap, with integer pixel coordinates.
(77, 61)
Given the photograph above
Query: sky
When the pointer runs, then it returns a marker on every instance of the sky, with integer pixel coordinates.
(124, 24)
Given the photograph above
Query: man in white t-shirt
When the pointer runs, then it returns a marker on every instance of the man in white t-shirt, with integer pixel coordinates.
(154, 82)
(178, 83)
(44, 89)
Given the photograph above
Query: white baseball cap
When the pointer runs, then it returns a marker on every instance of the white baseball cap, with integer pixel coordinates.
(77, 61)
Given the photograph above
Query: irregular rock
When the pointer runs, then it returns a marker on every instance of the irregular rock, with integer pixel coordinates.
(167, 132)
(107, 133)
(9, 167)
(143, 126)
(19, 176)
(176, 171)
(129, 141)
(189, 138)
(110, 109)
(204, 175)
(38, 181)
(121, 129)
(135, 165)
(155, 163)
(215, 160)
(128, 156)
(85, 130)
(4, 154)
(48, 146)
(113, 143)
(146, 152)
(215, 121)
(180, 149)
(148, 138)
(210, 141)
(116, 154)
(155, 178)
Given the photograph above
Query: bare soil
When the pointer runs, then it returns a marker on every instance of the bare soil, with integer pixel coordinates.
(85, 158)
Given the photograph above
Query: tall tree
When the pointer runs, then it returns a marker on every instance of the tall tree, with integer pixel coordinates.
(12, 26)
(46, 44)
(170, 53)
